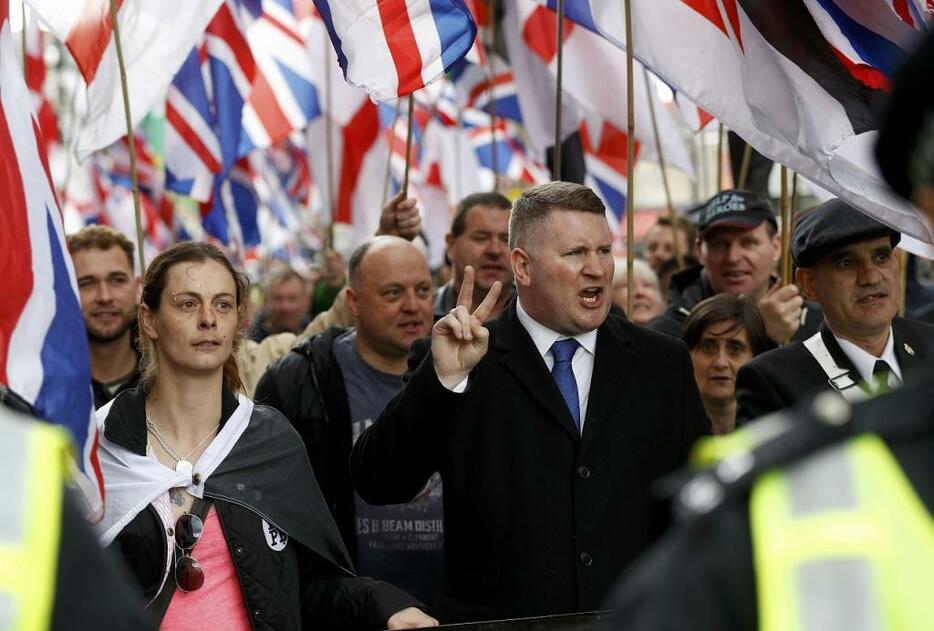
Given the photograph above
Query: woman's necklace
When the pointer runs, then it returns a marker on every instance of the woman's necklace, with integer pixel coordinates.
(182, 464)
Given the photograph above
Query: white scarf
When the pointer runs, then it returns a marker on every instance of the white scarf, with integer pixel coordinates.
(132, 481)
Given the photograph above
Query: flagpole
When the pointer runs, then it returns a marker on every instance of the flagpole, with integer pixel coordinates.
(392, 141)
(630, 163)
(130, 136)
(719, 157)
(744, 166)
(903, 281)
(329, 144)
(556, 172)
(786, 229)
(408, 146)
(792, 213)
(491, 68)
(679, 255)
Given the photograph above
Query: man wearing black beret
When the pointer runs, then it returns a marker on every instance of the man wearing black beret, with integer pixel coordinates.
(846, 263)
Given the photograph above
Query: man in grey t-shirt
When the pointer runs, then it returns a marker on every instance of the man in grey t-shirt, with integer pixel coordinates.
(332, 386)
(399, 543)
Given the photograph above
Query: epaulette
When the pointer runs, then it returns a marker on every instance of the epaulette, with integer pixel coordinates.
(772, 441)
(784, 437)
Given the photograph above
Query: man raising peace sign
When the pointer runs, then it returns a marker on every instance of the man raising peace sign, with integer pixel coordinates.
(548, 425)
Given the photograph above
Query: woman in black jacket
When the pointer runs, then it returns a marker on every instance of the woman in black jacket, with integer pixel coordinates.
(209, 498)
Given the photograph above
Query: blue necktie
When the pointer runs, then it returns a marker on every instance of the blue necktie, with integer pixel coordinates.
(563, 352)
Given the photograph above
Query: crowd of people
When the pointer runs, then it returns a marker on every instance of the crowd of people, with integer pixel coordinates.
(480, 449)
(390, 446)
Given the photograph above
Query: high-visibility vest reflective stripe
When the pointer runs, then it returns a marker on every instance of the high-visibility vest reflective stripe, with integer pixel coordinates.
(32, 470)
(842, 542)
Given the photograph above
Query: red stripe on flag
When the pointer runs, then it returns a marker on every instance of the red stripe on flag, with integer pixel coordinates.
(284, 29)
(191, 137)
(225, 27)
(266, 105)
(15, 250)
(89, 38)
(481, 88)
(902, 10)
(397, 28)
(359, 135)
(540, 32)
(710, 10)
(867, 75)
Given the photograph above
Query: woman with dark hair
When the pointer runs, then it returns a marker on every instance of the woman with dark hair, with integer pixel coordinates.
(211, 499)
(722, 333)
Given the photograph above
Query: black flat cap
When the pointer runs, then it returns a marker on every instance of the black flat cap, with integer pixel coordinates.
(734, 209)
(833, 225)
(905, 149)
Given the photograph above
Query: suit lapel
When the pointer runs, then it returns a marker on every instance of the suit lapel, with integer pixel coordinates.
(612, 363)
(519, 356)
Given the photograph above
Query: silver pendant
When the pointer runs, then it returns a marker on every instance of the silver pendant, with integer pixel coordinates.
(183, 467)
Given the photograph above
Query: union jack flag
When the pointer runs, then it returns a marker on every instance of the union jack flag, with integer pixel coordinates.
(393, 48)
(43, 345)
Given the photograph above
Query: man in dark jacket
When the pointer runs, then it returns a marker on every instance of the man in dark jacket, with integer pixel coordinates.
(331, 388)
(478, 237)
(548, 427)
(738, 246)
(846, 264)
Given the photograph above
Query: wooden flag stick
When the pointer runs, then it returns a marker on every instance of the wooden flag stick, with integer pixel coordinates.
(630, 163)
(392, 138)
(719, 157)
(786, 229)
(744, 167)
(130, 137)
(792, 213)
(491, 79)
(679, 255)
(408, 146)
(903, 280)
(556, 172)
(330, 198)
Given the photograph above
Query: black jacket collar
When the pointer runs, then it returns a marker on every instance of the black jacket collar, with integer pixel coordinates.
(126, 420)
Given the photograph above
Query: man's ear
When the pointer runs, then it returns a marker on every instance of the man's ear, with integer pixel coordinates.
(804, 279)
(699, 251)
(520, 260)
(139, 289)
(147, 323)
(352, 302)
(777, 246)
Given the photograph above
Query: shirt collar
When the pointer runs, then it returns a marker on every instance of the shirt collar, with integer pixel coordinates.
(865, 361)
(543, 337)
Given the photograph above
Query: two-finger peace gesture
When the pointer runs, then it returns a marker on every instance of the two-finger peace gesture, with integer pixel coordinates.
(459, 340)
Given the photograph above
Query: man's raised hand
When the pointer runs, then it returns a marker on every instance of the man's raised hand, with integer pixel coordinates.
(459, 340)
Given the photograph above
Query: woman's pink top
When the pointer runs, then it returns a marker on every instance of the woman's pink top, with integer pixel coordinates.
(218, 604)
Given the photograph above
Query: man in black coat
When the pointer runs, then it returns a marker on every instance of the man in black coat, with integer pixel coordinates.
(548, 427)
(846, 264)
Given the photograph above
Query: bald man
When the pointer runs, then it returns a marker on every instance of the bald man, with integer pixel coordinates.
(332, 386)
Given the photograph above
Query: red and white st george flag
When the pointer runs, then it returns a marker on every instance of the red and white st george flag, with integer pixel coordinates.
(155, 35)
(767, 71)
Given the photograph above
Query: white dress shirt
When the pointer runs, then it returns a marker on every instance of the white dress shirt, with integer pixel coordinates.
(864, 361)
(543, 338)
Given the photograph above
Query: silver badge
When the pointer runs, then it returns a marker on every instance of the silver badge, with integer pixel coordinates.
(908, 349)
(275, 538)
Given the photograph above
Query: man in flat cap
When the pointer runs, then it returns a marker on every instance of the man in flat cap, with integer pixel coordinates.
(738, 245)
(846, 263)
